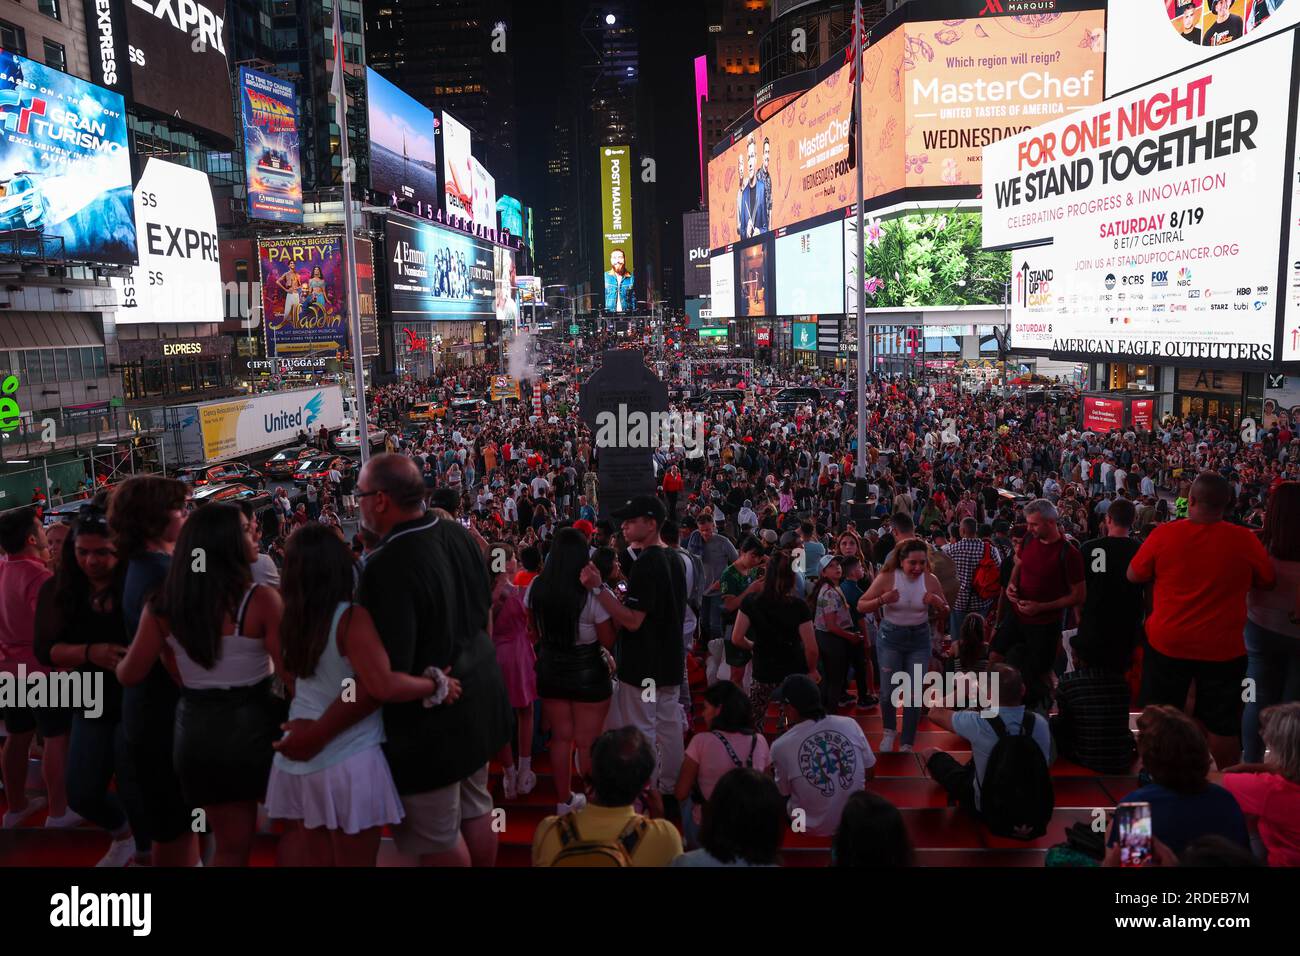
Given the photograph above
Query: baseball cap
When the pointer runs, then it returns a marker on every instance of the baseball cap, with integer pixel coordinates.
(642, 506)
(585, 526)
(799, 691)
(768, 536)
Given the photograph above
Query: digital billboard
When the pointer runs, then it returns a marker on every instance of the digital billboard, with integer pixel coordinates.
(1163, 209)
(755, 280)
(485, 195)
(810, 270)
(168, 56)
(64, 166)
(304, 294)
(271, 172)
(1102, 415)
(804, 336)
(615, 164)
(179, 276)
(367, 307)
(1150, 38)
(510, 216)
(457, 170)
(722, 280)
(529, 216)
(438, 272)
(505, 304)
(931, 260)
(403, 150)
(695, 252)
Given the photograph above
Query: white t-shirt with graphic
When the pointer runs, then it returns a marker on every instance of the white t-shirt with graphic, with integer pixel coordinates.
(819, 765)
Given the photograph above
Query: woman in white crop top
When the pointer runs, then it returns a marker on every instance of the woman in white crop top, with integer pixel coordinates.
(906, 598)
(218, 634)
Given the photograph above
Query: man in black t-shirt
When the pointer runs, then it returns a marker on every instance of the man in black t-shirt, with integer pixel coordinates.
(1111, 621)
(1227, 25)
(650, 653)
(1187, 18)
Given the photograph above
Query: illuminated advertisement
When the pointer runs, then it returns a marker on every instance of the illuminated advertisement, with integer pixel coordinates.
(1142, 411)
(510, 216)
(930, 260)
(809, 270)
(485, 195)
(804, 336)
(1162, 206)
(616, 206)
(168, 56)
(1151, 38)
(695, 251)
(505, 305)
(438, 272)
(1102, 415)
(403, 149)
(64, 167)
(179, 276)
(722, 281)
(457, 170)
(755, 280)
(367, 307)
(303, 294)
(529, 216)
(271, 170)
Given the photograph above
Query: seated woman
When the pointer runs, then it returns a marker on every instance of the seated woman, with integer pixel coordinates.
(1184, 803)
(1269, 793)
(744, 823)
(871, 834)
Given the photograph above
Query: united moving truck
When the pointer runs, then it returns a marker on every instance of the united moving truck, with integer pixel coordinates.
(219, 431)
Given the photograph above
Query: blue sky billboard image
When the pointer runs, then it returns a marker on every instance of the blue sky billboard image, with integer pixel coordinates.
(403, 151)
(64, 166)
(270, 110)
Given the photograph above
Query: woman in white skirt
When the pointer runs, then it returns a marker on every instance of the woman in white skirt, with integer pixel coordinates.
(343, 797)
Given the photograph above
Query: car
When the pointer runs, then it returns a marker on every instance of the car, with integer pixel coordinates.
(318, 468)
(22, 202)
(285, 461)
(349, 439)
(232, 472)
(466, 409)
(426, 411)
(231, 495)
(792, 399)
(720, 396)
(65, 512)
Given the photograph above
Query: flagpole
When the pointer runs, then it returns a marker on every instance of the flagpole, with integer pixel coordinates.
(350, 246)
(860, 471)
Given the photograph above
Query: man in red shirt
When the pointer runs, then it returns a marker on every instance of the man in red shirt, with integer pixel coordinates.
(1200, 571)
(1046, 581)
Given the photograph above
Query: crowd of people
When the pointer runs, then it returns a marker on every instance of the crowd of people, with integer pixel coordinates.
(695, 663)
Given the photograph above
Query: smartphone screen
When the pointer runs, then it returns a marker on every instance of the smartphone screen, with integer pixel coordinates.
(1133, 829)
(622, 587)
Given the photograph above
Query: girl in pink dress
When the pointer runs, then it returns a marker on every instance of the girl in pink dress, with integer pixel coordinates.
(518, 663)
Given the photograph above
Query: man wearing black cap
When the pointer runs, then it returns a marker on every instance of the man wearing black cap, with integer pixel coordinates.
(1227, 25)
(820, 761)
(650, 653)
(1187, 19)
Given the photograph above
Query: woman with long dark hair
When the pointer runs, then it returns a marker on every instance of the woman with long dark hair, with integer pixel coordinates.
(871, 834)
(79, 626)
(573, 679)
(222, 632)
(146, 514)
(344, 796)
(1272, 637)
(777, 627)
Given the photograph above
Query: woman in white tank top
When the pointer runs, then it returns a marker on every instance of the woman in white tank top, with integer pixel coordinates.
(906, 597)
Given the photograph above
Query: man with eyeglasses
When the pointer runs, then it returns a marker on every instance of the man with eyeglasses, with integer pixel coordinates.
(426, 586)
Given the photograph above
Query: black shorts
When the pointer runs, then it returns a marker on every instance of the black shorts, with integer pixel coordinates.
(223, 743)
(1166, 680)
(50, 721)
(577, 674)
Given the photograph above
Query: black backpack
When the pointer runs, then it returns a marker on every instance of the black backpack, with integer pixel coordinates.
(1016, 796)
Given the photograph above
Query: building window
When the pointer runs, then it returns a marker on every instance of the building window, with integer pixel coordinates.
(55, 56)
(13, 38)
(50, 8)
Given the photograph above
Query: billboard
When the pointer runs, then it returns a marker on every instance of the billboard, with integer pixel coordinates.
(438, 272)
(1142, 411)
(616, 206)
(270, 111)
(179, 276)
(457, 171)
(804, 336)
(510, 216)
(168, 56)
(810, 270)
(695, 252)
(946, 262)
(366, 294)
(1156, 202)
(403, 151)
(485, 195)
(1146, 39)
(1102, 415)
(64, 166)
(755, 280)
(304, 294)
(722, 281)
(245, 425)
(529, 216)
(505, 305)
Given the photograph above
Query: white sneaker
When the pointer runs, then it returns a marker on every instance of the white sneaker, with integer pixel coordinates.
(508, 779)
(17, 818)
(120, 853)
(576, 802)
(905, 749)
(887, 741)
(69, 820)
(527, 782)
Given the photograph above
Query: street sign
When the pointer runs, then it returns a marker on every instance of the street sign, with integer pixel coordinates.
(713, 333)
(573, 330)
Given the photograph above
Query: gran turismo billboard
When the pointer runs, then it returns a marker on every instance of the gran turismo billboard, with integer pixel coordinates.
(270, 113)
(403, 146)
(64, 167)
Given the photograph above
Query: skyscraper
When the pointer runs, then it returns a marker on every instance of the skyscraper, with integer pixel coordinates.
(459, 56)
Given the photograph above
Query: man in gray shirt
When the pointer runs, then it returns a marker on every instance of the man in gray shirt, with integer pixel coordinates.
(715, 552)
